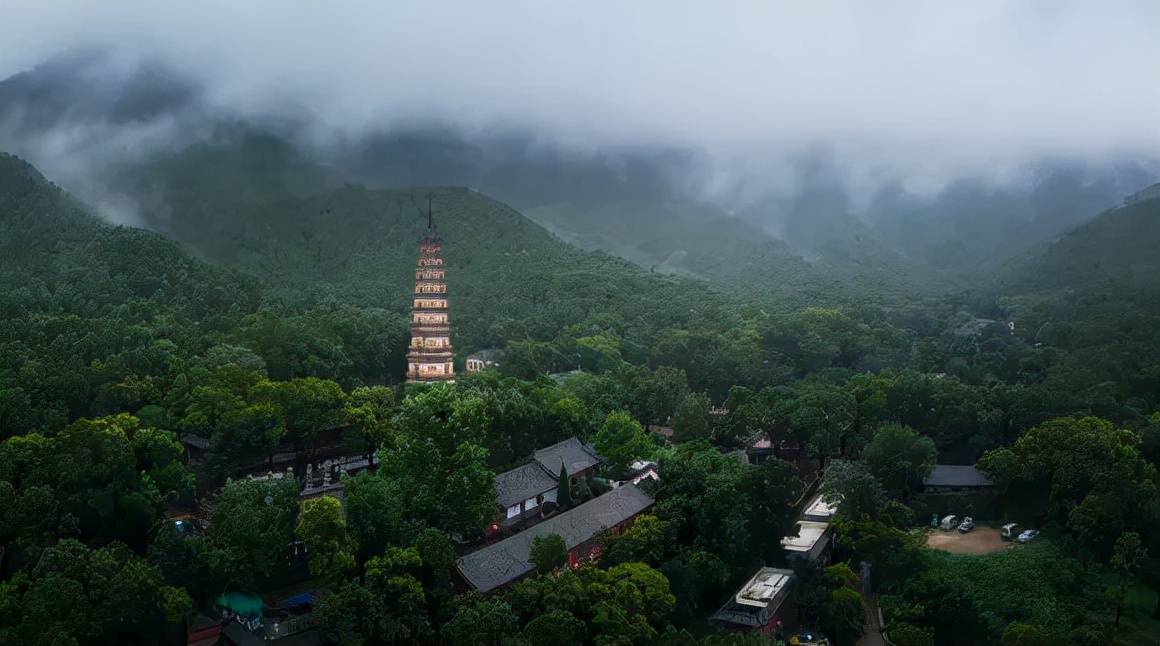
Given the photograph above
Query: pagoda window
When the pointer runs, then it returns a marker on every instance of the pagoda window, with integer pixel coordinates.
(513, 511)
(531, 503)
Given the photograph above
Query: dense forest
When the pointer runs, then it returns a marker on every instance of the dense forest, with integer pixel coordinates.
(268, 312)
(171, 388)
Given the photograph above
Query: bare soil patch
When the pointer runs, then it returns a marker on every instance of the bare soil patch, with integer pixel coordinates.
(981, 540)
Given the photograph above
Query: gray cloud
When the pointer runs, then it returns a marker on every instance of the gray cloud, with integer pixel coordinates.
(916, 92)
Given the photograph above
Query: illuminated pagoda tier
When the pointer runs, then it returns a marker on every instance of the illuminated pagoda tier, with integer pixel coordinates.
(430, 358)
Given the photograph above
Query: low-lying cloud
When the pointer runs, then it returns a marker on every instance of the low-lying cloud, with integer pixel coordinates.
(914, 92)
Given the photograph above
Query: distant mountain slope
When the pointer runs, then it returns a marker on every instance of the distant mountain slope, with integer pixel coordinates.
(971, 227)
(838, 243)
(83, 304)
(695, 240)
(51, 247)
(251, 202)
(86, 87)
(1119, 248)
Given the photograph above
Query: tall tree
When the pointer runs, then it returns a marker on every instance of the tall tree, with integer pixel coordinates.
(252, 523)
(555, 628)
(1082, 472)
(691, 419)
(549, 553)
(825, 415)
(772, 490)
(659, 393)
(845, 616)
(900, 458)
(564, 488)
(1127, 557)
(373, 512)
(437, 466)
(621, 440)
(322, 527)
(857, 493)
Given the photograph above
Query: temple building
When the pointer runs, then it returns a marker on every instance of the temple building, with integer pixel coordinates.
(430, 357)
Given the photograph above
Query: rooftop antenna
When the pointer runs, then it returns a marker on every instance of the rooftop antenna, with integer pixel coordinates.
(430, 225)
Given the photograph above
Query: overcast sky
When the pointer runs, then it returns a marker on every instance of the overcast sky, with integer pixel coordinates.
(971, 84)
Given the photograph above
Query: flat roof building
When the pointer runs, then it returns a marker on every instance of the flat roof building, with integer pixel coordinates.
(812, 541)
(510, 559)
(819, 510)
(754, 607)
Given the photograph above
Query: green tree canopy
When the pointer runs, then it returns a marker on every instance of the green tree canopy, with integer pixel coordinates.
(437, 467)
(691, 419)
(322, 527)
(252, 523)
(621, 440)
(900, 458)
(549, 553)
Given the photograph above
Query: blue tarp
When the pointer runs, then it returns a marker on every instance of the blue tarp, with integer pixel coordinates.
(301, 599)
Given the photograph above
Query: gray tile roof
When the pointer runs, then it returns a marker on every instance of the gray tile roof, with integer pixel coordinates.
(955, 475)
(571, 452)
(510, 559)
(196, 441)
(522, 483)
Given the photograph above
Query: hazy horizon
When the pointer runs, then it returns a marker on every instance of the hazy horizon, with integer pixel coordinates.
(895, 93)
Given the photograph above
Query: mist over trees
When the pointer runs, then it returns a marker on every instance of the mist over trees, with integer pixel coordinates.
(205, 297)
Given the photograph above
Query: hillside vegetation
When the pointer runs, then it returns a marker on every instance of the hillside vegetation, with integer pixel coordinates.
(696, 240)
(1115, 251)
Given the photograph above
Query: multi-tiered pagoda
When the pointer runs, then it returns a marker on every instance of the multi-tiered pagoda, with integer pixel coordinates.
(430, 357)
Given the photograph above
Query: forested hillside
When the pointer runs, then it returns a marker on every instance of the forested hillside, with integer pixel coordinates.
(252, 202)
(280, 316)
(700, 240)
(84, 303)
(100, 318)
(1114, 252)
(579, 324)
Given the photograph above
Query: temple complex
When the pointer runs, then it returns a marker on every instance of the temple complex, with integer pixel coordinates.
(430, 358)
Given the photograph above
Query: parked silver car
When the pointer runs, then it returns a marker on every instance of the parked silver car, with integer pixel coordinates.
(967, 525)
(1028, 535)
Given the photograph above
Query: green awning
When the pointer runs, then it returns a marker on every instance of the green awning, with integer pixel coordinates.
(242, 603)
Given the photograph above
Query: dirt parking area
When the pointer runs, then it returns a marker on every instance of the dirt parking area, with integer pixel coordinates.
(981, 540)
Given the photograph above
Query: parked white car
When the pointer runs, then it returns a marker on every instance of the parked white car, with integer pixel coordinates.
(948, 523)
(1028, 535)
(967, 525)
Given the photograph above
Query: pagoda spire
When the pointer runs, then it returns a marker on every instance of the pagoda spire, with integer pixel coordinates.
(430, 357)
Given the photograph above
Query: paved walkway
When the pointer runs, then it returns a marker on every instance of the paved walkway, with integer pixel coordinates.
(872, 633)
